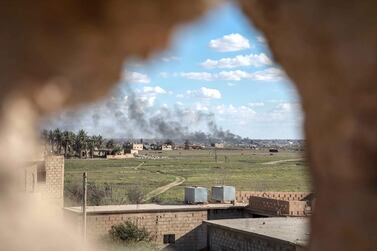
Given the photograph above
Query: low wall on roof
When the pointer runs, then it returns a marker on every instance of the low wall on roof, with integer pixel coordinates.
(268, 206)
(243, 196)
(275, 207)
(220, 239)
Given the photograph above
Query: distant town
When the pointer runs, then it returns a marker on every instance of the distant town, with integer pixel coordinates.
(82, 145)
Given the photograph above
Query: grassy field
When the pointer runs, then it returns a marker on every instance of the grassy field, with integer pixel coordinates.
(244, 169)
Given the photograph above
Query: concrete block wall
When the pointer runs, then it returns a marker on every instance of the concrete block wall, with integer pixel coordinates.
(53, 189)
(220, 239)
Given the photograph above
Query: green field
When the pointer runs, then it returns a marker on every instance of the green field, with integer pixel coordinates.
(244, 169)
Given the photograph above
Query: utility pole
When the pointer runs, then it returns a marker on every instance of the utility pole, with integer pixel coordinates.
(84, 199)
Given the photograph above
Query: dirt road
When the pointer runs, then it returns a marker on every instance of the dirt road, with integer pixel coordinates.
(280, 161)
(178, 180)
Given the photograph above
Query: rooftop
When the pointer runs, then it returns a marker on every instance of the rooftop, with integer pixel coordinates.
(293, 230)
(111, 209)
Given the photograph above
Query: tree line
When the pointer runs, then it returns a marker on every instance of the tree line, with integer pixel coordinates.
(80, 144)
(72, 144)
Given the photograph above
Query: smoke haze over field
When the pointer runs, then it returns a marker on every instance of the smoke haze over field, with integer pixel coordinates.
(127, 115)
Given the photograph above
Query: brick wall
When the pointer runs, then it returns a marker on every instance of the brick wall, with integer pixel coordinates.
(190, 233)
(268, 206)
(298, 208)
(275, 207)
(221, 239)
(243, 196)
(187, 226)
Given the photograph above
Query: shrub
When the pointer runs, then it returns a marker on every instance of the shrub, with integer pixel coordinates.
(96, 195)
(127, 232)
(135, 194)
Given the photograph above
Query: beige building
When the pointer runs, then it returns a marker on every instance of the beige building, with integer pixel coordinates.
(121, 156)
(166, 147)
(138, 147)
(219, 145)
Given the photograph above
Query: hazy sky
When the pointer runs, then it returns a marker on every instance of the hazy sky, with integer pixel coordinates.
(218, 65)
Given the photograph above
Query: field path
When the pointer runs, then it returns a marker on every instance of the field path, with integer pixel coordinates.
(137, 167)
(280, 161)
(178, 180)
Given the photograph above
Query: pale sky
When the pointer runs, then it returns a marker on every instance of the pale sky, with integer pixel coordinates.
(219, 66)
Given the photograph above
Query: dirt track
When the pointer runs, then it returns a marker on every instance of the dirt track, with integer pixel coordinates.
(178, 180)
(280, 161)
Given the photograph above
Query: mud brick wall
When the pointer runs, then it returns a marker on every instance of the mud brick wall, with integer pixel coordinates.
(220, 239)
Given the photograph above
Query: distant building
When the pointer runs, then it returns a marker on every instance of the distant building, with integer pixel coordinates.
(121, 156)
(166, 147)
(219, 145)
(138, 147)
(101, 153)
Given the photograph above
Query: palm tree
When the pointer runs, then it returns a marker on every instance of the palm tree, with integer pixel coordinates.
(91, 144)
(110, 144)
(50, 138)
(68, 139)
(81, 142)
(57, 134)
(98, 141)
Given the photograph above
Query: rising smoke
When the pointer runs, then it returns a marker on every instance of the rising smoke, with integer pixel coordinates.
(129, 115)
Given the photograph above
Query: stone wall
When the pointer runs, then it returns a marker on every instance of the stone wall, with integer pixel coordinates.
(222, 239)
